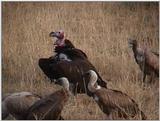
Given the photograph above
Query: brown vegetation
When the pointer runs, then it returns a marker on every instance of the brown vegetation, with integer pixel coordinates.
(100, 29)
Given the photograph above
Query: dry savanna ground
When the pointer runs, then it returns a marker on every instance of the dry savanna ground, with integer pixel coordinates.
(100, 29)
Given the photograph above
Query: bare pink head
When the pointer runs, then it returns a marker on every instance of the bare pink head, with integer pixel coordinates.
(59, 37)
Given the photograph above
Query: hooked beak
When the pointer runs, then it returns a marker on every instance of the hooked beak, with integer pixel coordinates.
(53, 80)
(52, 34)
(56, 81)
(130, 45)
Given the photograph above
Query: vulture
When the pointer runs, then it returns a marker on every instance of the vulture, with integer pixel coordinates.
(65, 47)
(147, 60)
(17, 104)
(50, 107)
(115, 104)
(69, 62)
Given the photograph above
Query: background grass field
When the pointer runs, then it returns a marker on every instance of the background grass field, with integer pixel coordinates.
(100, 29)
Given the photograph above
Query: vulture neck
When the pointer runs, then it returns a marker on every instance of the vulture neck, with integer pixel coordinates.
(92, 82)
(65, 83)
(135, 50)
(66, 45)
(62, 42)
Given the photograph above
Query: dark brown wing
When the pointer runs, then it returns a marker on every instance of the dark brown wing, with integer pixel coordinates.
(113, 100)
(69, 44)
(72, 70)
(70, 50)
(74, 54)
(45, 65)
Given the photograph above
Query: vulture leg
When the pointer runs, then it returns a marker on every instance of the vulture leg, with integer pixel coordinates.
(109, 117)
(61, 118)
(144, 71)
(144, 77)
(152, 78)
(72, 88)
(75, 88)
(143, 83)
(143, 116)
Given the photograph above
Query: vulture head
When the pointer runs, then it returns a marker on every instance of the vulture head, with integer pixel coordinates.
(132, 43)
(140, 53)
(92, 77)
(59, 35)
(63, 81)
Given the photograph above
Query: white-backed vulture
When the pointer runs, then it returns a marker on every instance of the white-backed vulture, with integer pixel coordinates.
(17, 104)
(147, 60)
(115, 104)
(50, 107)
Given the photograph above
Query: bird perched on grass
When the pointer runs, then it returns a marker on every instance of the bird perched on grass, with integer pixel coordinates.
(50, 107)
(17, 104)
(115, 104)
(147, 60)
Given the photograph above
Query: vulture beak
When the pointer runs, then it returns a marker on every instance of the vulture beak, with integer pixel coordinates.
(56, 81)
(53, 80)
(130, 43)
(53, 34)
(59, 82)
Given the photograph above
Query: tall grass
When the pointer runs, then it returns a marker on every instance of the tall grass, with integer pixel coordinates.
(100, 29)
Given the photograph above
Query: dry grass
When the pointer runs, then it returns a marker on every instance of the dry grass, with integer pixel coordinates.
(100, 29)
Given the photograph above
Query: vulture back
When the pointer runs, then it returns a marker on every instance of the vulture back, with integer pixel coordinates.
(50, 107)
(18, 103)
(118, 103)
